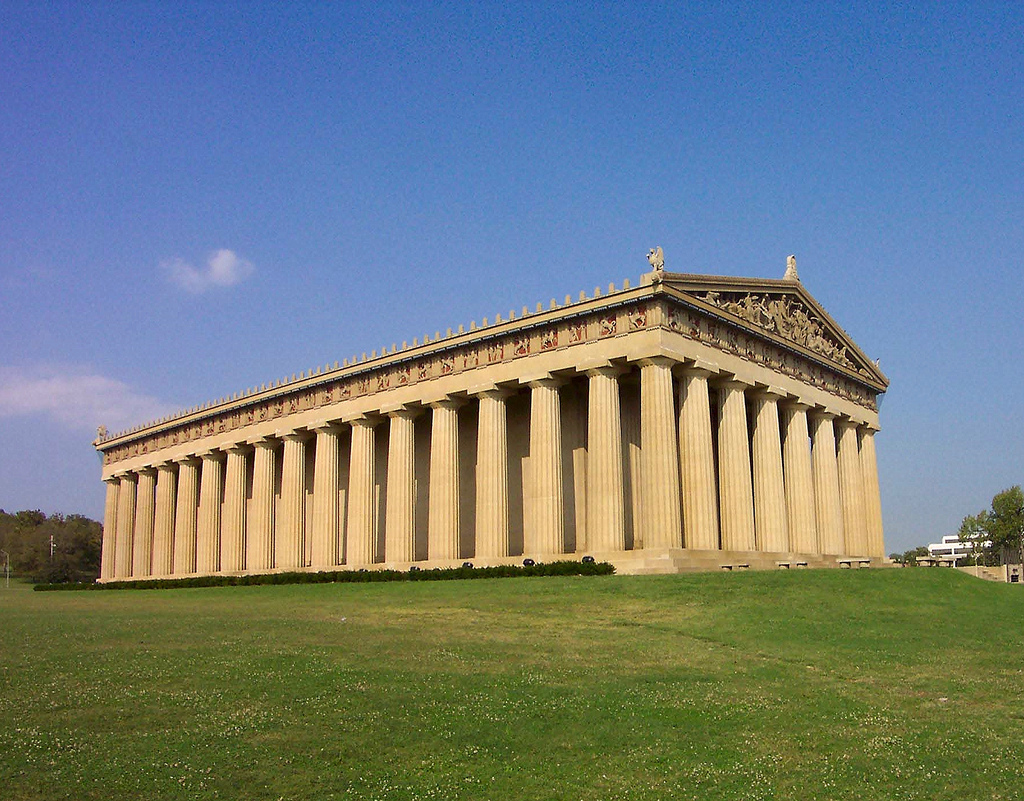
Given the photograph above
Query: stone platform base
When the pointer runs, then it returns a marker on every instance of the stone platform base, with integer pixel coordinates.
(648, 561)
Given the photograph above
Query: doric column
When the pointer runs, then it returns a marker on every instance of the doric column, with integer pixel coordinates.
(211, 490)
(400, 507)
(289, 544)
(606, 528)
(443, 512)
(545, 525)
(770, 524)
(232, 539)
(851, 489)
(828, 510)
(125, 526)
(142, 542)
(662, 512)
(872, 495)
(492, 531)
(796, 461)
(185, 514)
(185, 517)
(109, 547)
(736, 492)
(163, 528)
(697, 461)
(259, 540)
(361, 527)
(325, 528)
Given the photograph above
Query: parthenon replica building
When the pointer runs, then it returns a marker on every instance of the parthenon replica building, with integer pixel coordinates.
(690, 422)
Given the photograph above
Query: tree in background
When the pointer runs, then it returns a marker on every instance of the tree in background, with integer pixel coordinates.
(1002, 526)
(76, 546)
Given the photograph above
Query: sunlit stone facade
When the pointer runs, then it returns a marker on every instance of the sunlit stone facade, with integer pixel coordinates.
(691, 422)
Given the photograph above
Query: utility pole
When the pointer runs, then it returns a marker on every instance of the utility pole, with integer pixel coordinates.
(53, 547)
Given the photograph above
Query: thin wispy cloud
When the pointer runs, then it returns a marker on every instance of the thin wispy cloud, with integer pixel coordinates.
(223, 268)
(75, 397)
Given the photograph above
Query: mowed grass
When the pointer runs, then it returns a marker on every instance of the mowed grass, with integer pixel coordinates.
(790, 685)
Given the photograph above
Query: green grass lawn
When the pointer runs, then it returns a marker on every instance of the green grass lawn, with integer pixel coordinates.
(790, 685)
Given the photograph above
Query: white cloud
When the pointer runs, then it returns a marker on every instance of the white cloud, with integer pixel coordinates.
(223, 268)
(75, 397)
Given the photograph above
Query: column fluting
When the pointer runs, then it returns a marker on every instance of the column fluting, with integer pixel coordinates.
(606, 528)
(326, 524)
(492, 529)
(145, 508)
(125, 526)
(232, 540)
(361, 527)
(697, 461)
(211, 491)
(828, 509)
(109, 546)
(799, 479)
(872, 494)
(400, 502)
(186, 515)
(289, 542)
(163, 528)
(259, 541)
(771, 527)
(736, 494)
(661, 504)
(545, 530)
(851, 489)
(443, 512)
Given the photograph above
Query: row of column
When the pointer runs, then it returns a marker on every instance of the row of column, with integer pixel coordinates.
(751, 471)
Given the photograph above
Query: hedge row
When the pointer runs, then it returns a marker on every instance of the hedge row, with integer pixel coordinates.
(565, 568)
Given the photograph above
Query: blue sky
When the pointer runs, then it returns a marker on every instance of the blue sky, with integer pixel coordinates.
(195, 199)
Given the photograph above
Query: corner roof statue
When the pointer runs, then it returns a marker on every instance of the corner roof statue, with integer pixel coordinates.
(657, 259)
(791, 270)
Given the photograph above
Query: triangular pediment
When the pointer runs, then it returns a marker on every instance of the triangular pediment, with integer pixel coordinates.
(781, 308)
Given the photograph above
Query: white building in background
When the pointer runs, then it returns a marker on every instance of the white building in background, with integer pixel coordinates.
(953, 547)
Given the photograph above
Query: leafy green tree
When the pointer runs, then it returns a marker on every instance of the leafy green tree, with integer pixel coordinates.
(1004, 525)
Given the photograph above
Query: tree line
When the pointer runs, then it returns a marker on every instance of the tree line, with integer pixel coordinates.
(54, 549)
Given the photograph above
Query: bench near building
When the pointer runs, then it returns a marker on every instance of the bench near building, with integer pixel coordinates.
(690, 422)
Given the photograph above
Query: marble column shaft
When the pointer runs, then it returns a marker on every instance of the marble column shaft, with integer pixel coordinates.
(770, 524)
(492, 531)
(109, 546)
(545, 526)
(872, 494)
(661, 502)
(443, 511)
(211, 491)
(799, 478)
(697, 461)
(125, 526)
(232, 540)
(400, 505)
(361, 527)
(326, 526)
(736, 491)
(851, 489)
(259, 540)
(163, 528)
(606, 530)
(186, 517)
(289, 542)
(142, 541)
(828, 508)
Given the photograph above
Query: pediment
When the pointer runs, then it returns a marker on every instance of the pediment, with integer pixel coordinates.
(784, 310)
